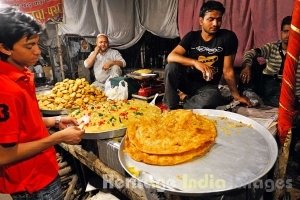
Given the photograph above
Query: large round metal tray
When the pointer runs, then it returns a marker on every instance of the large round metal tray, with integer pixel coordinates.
(244, 152)
(104, 134)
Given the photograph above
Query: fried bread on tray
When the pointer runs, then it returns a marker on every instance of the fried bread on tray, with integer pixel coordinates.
(176, 131)
(167, 159)
(175, 137)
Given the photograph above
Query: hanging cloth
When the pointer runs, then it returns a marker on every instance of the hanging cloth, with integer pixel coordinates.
(286, 111)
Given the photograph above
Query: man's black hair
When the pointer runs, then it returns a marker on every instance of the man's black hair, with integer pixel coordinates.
(286, 21)
(211, 5)
(14, 25)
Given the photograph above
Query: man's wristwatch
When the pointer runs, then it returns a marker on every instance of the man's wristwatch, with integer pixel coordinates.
(57, 121)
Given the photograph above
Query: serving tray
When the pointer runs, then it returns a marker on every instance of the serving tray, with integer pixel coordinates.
(54, 112)
(104, 134)
(244, 152)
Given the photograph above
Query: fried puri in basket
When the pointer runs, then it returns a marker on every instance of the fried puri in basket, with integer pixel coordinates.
(175, 137)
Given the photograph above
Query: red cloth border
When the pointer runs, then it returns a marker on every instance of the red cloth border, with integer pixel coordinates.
(286, 111)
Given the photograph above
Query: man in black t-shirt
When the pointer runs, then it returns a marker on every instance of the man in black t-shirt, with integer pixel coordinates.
(197, 64)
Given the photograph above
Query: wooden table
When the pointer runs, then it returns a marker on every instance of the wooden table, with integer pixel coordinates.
(124, 184)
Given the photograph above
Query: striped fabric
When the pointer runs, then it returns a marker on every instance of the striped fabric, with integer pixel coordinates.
(289, 87)
(270, 52)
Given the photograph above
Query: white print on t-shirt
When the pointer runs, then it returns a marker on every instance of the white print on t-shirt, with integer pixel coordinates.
(208, 50)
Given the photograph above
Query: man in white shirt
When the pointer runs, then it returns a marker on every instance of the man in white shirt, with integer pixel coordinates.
(107, 62)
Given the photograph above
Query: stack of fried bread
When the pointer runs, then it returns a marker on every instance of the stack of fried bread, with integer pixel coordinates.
(175, 137)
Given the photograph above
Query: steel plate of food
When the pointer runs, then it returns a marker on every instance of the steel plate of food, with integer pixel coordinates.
(198, 152)
(110, 118)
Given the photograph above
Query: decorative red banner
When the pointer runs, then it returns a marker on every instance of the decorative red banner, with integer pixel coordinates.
(41, 10)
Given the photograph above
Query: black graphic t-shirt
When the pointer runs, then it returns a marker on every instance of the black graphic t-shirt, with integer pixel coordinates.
(211, 52)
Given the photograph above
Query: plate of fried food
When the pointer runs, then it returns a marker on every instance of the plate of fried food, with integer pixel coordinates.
(199, 151)
(142, 74)
(68, 95)
(47, 108)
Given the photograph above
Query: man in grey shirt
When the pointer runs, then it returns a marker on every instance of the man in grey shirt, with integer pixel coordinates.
(107, 62)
